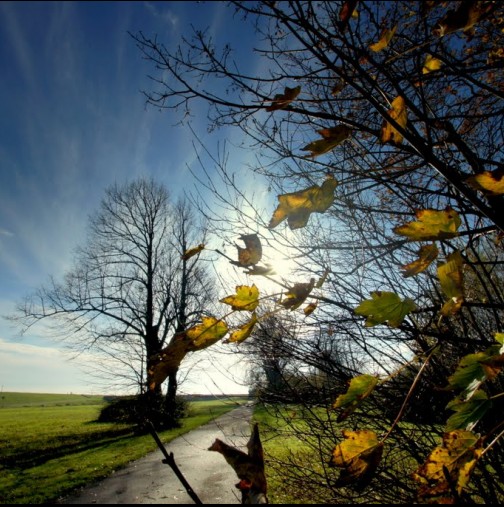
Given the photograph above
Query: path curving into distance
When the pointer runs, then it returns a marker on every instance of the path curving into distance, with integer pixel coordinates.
(149, 481)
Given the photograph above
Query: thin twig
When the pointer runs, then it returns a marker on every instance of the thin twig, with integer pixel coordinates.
(170, 461)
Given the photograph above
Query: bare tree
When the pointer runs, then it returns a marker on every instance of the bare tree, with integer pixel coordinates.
(131, 289)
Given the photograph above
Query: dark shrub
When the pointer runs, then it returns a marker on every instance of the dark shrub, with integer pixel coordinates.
(142, 408)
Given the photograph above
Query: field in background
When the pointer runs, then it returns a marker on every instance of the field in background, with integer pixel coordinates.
(50, 444)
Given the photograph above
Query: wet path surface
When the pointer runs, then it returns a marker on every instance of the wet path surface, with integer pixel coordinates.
(149, 481)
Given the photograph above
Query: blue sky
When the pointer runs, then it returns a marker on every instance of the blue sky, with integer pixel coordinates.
(73, 122)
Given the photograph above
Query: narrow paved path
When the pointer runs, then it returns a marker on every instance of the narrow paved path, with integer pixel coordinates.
(149, 481)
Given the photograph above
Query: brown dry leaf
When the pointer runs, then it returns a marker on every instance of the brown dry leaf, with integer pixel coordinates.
(280, 101)
(297, 294)
(251, 254)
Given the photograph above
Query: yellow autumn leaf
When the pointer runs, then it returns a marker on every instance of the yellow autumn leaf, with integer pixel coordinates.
(426, 256)
(431, 64)
(452, 283)
(490, 182)
(358, 455)
(310, 308)
(209, 332)
(400, 115)
(193, 251)
(241, 334)
(431, 225)
(251, 254)
(331, 137)
(246, 298)
(280, 101)
(297, 294)
(385, 38)
(449, 466)
(296, 207)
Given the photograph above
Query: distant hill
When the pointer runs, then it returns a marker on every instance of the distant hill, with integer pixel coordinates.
(16, 400)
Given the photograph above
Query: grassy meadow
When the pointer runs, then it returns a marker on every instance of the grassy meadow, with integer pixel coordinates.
(50, 444)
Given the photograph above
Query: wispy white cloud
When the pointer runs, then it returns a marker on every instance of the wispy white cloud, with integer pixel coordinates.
(34, 368)
(166, 14)
(17, 39)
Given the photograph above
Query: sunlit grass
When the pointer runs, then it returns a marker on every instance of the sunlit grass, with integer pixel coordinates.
(46, 452)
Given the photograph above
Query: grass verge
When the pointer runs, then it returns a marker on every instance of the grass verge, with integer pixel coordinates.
(48, 451)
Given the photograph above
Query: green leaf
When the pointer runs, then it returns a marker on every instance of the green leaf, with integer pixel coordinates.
(385, 307)
(360, 388)
(468, 413)
(476, 368)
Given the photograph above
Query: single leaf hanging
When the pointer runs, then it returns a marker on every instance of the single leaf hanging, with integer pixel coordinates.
(322, 279)
(473, 369)
(192, 252)
(385, 38)
(331, 138)
(297, 207)
(297, 294)
(489, 182)
(360, 388)
(400, 115)
(431, 225)
(347, 12)
(309, 309)
(468, 413)
(280, 101)
(431, 64)
(246, 298)
(385, 307)
(452, 283)
(464, 18)
(358, 455)
(248, 467)
(426, 255)
(241, 334)
(251, 254)
(209, 332)
(448, 467)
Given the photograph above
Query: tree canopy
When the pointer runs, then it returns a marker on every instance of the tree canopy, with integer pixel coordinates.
(379, 127)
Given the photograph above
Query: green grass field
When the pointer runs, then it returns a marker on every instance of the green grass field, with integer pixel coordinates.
(50, 444)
